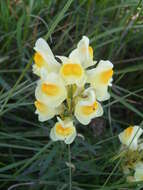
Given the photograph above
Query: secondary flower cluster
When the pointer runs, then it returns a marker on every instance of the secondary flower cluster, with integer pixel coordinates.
(132, 149)
(70, 88)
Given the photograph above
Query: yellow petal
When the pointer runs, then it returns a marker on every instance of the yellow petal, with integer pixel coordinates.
(38, 59)
(60, 130)
(71, 70)
(106, 75)
(128, 132)
(87, 110)
(40, 106)
(90, 52)
(50, 89)
(72, 73)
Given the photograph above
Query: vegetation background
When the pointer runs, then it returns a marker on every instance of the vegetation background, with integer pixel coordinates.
(28, 159)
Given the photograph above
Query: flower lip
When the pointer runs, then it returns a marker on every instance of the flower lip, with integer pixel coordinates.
(106, 75)
(60, 130)
(40, 106)
(72, 73)
(87, 110)
(128, 132)
(50, 89)
(71, 69)
(38, 59)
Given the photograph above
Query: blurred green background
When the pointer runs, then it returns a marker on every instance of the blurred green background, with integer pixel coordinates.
(28, 159)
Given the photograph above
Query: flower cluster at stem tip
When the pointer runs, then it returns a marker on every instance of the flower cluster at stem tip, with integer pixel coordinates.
(132, 153)
(70, 88)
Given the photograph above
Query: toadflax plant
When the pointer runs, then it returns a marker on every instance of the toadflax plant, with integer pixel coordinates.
(72, 88)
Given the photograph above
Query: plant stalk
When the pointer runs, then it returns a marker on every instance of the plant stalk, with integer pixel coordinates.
(70, 171)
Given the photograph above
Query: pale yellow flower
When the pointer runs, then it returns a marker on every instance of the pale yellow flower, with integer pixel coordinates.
(138, 176)
(73, 69)
(100, 78)
(63, 131)
(130, 136)
(44, 58)
(45, 112)
(88, 108)
(51, 90)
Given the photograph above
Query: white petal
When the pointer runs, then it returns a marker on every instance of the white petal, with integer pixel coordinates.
(43, 118)
(74, 56)
(70, 138)
(43, 48)
(138, 131)
(35, 70)
(83, 52)
(90, 93)
(102, 93)
(104, 65)
(60, 121)
(52, 135)
(99, 110)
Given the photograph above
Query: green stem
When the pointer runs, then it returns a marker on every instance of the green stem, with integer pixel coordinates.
(69, 99)
(70, 171)
(71, 96)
